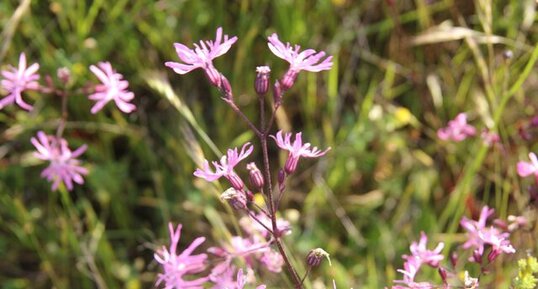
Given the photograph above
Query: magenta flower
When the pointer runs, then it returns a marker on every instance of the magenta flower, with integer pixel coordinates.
(525, 169)
(202, 56)
(175, 267)
(308, 60)
(457, 129)
(18, 80)
(63, 167)
(479, 235)
(296, 150)
(430, 257)
(226, 167)
(113, 87)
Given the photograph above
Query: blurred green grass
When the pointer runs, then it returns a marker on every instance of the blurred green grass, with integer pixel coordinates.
(386, 179)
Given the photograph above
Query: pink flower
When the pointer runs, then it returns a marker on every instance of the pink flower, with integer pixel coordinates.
(113, 87)
(175, 267)
(308, 60)
(525, 169)
(489, 137)
(296, 150)
(479, 235)
(18, 80)
(474, 227)
(430, 257)
(457, 129)
(63, 167)
(202, 56)
(272, 260)
(226, 167)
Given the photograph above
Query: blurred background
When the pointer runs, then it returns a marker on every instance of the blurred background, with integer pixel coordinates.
(402, 70)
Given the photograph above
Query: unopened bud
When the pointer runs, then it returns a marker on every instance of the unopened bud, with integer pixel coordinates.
(315, 256)
(288, 80)
(225, 87)
(281, 180)
(255, 176)
(277, 94)
(235, 198)
(443, 274)
(261, 84)
(454, 259)
(64, 74)
(508, 54)
(477, 257)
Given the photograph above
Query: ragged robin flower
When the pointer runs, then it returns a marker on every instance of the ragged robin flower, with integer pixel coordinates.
(64, 166)
(296, 150)
(202, 56)
(308, 60)
(112, 87)
(17, 80)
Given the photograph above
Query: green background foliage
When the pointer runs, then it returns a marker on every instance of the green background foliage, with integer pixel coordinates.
(402, 69)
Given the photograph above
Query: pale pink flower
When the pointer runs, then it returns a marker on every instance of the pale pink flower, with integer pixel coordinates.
(225, 168)
(17, 80)
(430, 257)
(175, 267)
(202, 56)
(525, 169)
(112, 87)
(272, 260)
(63, 167)
(242, 280)
(457, 129)
(296, 150)
(308, 60)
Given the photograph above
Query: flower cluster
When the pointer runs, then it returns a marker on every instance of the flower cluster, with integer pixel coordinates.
(184, 269)
(64, 166)
(262, 227)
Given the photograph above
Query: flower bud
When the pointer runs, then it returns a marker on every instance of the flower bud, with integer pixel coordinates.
(454, 259)
(281, 180)
(225, 87)
(277, 94)
(477, 257)
(315, 256)
(235, 198)
(255, 176)
(64, 74)
(443, 274)
(288, 80)
(261, 84)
